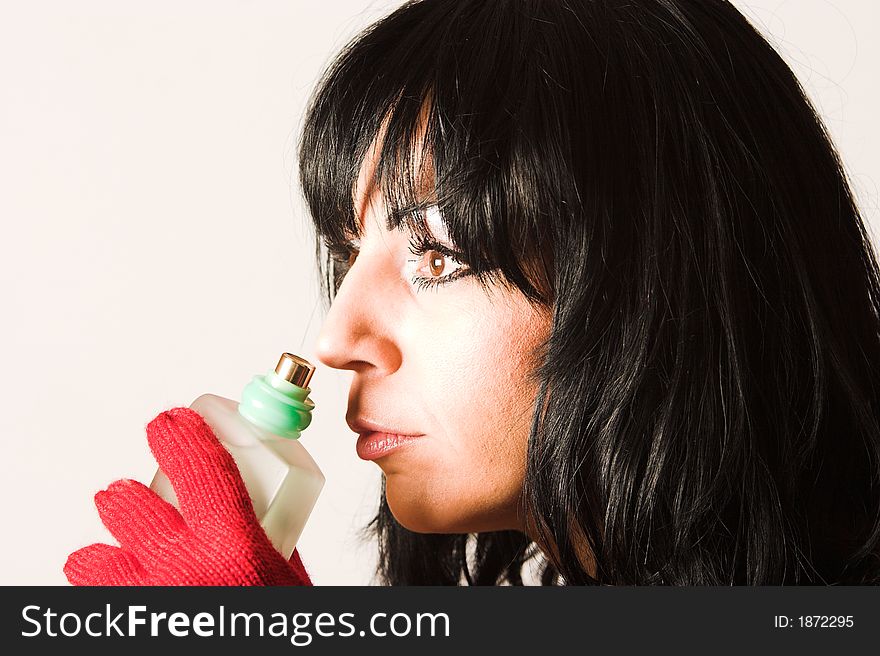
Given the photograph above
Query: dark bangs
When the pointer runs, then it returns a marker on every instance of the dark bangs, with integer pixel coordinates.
(459, 127)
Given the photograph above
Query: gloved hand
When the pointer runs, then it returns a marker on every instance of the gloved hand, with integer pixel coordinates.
(215, 538)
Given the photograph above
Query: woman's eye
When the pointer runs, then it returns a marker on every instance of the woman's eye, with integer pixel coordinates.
(352, 256)
(342, 257)
(343, 254)
(437, 264)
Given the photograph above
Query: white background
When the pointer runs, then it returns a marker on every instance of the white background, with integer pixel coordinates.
(155, 247)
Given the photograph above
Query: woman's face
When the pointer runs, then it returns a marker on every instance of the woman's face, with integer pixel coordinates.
(448, 363)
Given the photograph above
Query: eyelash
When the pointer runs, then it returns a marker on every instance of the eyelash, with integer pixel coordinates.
(418, 245)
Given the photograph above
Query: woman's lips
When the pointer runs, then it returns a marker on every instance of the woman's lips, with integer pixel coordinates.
(375, 444)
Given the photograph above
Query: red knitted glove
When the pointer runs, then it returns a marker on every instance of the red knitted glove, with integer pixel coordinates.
(215, 538)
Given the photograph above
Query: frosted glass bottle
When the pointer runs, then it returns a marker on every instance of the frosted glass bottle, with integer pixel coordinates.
(262, 434)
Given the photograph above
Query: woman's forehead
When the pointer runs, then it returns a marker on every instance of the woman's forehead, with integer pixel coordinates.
(373, 209)
(369, 199)
(421, 177)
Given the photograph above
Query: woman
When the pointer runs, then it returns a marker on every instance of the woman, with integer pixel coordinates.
(600, 259)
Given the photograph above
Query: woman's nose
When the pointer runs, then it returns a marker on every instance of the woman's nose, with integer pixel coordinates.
(358, 332)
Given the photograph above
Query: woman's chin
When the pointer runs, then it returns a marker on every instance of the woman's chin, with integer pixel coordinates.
(417, 513)
(422, 513)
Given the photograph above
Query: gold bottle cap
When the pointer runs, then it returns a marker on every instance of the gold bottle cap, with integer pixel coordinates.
(295, 369)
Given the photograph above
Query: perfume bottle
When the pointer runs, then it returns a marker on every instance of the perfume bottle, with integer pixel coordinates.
(262, 434)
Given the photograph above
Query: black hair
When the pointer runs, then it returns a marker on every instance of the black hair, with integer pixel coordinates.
(653, 173)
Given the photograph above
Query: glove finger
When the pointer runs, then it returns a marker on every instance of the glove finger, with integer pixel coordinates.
(143, 523)
(202, 472)
(103, 564)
